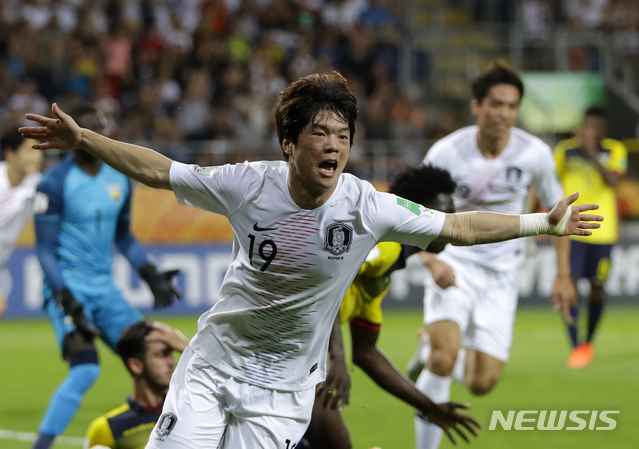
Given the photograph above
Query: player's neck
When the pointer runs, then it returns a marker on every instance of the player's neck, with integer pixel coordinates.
(490, 147)
(303, 197)
(87, 162)
(147, 396)
(15, 176)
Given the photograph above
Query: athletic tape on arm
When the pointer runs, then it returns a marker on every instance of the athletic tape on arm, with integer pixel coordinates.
(464, 228)
(537, 224)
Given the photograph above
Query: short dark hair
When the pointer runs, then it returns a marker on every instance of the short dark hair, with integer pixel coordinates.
(499, 73)
(11, 140)
(132, 342)
(303, 100)
(422, 185)
(596, 111)
(82, 109)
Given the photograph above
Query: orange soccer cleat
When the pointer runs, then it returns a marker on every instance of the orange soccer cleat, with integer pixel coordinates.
(581, 356)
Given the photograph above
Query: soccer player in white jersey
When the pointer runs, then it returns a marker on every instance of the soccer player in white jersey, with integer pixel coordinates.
(471, 294)
(302, 230)
(19, 177)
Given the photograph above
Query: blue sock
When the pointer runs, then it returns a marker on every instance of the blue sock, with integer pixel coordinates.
(594, 313)
(67, 398)
(572, 328)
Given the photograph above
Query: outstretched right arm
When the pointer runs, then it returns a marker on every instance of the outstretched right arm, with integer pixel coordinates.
(62, 132)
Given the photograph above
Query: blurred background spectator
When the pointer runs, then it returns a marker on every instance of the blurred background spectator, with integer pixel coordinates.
(198, 78)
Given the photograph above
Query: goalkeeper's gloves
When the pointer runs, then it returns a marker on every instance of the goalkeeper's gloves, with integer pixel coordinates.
(164, 292)
(75, 310)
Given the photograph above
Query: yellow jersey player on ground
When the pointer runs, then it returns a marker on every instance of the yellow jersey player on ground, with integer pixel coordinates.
(592, 164)
(362, 307)
(146, 349)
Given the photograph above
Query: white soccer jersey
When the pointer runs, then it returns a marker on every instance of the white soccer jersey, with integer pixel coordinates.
(291, 267)
(497, 185)
(15, 211)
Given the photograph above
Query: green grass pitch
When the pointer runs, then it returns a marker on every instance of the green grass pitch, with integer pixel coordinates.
(535, 379)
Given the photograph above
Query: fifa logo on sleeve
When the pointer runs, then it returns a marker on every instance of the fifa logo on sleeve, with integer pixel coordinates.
(554, 420)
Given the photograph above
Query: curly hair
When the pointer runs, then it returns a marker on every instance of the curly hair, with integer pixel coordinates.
(422, 185)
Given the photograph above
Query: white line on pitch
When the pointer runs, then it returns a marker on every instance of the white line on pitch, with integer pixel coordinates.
(27, 436)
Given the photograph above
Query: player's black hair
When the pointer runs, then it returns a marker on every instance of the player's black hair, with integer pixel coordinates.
(132, 343)
(11, 140)
(499, 73)
(596, 111)
(422, 185)
(300, 103)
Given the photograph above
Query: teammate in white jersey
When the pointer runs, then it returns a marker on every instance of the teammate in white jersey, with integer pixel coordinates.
(302, 230)
(471, 295)
(19, 177)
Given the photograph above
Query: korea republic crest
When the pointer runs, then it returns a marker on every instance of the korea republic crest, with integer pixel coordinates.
(338, 238)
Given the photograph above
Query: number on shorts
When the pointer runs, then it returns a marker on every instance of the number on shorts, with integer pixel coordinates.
(288, 443)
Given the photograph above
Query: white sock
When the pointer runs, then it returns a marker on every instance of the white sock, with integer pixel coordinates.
(459, 371)
(427, 435)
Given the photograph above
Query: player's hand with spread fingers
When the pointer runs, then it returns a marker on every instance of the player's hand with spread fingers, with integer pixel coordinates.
(565, 219)
(447, 416)
(60, 132)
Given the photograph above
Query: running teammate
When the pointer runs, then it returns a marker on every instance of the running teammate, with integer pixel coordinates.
(82, 208)
(471, 292)
(302, 231)
(594, 164)
(19, 177)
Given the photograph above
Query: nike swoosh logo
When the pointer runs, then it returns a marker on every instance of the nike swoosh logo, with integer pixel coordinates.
(256, 228)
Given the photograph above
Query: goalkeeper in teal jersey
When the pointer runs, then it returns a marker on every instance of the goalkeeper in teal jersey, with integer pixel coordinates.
(82, 207)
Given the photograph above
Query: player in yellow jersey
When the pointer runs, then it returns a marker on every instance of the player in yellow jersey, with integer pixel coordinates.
(592, 164)
(362, 307)
(146, 349)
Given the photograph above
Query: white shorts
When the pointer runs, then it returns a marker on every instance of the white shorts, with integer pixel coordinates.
(207, 409)
(483, 304)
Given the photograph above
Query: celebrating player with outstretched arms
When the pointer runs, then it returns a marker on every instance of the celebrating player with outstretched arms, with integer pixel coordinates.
(302, 230)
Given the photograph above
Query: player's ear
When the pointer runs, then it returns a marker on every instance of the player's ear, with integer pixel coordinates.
(474, 106)
(288, 146)
(135, 366)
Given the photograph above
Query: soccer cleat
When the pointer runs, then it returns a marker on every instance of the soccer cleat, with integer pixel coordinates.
(416, 364)
(581, 356)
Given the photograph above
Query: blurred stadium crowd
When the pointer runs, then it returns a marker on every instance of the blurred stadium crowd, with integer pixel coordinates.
(182, 74)
(194, 70)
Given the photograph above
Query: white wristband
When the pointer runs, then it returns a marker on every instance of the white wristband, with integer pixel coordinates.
(537, 224)
(533, 224)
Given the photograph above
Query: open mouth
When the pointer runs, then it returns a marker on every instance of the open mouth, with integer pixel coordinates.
(328, 168)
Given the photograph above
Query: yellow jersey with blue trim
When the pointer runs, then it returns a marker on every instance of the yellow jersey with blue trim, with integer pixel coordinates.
(363, 300)
(126, 427)
(577, 173)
